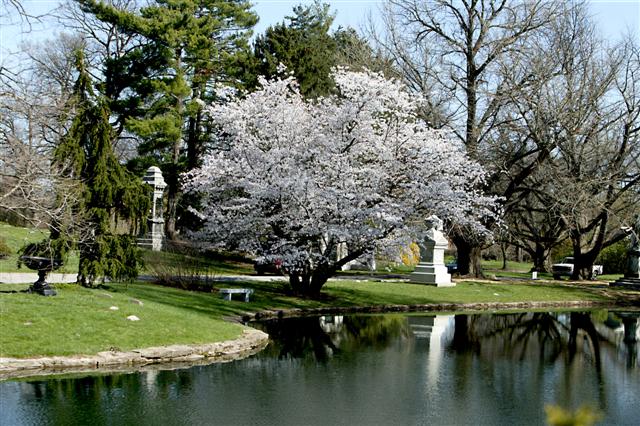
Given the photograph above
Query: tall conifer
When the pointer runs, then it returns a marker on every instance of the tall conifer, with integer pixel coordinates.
(109, 194)
(157, 89)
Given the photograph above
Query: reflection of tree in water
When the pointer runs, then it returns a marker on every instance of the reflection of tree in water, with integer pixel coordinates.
(305, 338)
(65, 398)
(298, 338)
(92, 397)
(550, 334)
(464, 336)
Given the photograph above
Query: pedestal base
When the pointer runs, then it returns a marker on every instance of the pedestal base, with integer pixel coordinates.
(432, 274)
(42, 289)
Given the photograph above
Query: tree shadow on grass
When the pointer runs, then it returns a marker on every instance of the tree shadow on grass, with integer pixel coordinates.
(273, 295)
(266, 296)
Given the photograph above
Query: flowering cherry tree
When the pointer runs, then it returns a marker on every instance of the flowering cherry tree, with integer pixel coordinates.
(299, 177)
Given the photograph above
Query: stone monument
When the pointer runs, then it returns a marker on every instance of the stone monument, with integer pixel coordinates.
(431, 270)
(155, 223)
(632, 271)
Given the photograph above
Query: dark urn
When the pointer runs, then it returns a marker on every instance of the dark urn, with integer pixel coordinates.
(43, 265)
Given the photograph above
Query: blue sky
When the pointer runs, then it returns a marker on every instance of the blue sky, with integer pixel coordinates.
(613, 16)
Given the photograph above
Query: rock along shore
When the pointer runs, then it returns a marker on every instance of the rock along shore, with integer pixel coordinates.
(250, 342)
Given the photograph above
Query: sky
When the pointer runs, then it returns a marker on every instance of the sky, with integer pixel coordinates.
(614, 18)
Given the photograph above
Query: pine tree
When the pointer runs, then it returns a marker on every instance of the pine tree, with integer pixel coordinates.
(108, 193)
(304, 45)
(157, 89)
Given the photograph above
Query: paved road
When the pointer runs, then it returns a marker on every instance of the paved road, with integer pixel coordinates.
(53, 278)
(31, 277)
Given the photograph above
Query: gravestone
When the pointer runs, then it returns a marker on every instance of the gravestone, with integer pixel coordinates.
(155, 223)
(366, 262)
(431, 270)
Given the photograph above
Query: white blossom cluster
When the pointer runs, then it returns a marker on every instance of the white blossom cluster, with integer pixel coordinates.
(358, 167)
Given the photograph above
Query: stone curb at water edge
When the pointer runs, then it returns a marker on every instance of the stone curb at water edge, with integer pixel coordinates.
(168, 357)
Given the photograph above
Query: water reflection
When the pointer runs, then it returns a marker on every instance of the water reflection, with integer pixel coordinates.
(545, 336)
(378, 369)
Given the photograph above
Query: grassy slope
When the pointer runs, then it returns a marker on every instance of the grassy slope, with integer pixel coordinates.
(78, 320)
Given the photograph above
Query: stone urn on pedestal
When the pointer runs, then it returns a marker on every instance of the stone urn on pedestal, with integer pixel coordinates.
(431, 270)
(42, 258)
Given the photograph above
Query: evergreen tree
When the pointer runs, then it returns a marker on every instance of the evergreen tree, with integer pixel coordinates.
(304, 45)
(108, 193)
(157, 89)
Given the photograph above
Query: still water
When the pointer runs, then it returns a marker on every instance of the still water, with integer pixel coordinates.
(371, 370)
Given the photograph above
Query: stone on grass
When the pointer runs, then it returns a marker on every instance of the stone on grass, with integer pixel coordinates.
(114, 308)
(133, 318)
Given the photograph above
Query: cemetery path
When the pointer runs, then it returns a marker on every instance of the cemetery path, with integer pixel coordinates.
(57, 278)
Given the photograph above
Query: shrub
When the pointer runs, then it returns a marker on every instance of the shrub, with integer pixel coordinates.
(614, 258)
(5, 250)
(179, 270)
(410, 255)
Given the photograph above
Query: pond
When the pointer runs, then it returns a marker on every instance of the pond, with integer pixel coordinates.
(371, 370)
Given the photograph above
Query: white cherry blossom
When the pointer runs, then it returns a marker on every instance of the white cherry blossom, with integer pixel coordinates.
(358, 167)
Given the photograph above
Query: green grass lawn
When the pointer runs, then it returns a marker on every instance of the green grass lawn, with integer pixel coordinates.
(522, 270)
(79, 320)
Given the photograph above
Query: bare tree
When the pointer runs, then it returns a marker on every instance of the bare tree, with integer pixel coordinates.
(451, 51)
(570, 132)
(104, 41)
(34, 115)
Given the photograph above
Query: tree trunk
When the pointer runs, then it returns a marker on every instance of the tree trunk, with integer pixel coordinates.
(310, 283)
(503, 251)
(172, 208)
(469, 256)
(539, 259)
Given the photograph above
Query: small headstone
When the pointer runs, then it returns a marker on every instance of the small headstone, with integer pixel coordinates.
(136, 301)
(114, 308)
(133, 318)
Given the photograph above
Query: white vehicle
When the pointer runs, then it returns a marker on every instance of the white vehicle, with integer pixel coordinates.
(566, 268)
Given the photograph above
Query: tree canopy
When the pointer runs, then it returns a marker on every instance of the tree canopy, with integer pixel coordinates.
(357, 167)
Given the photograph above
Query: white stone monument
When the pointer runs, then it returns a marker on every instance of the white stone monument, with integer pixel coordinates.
(155, 223)
(431, 270)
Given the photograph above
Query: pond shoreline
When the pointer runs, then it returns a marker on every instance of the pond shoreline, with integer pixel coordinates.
(251, 342)
(170, 357)
(430, 307)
